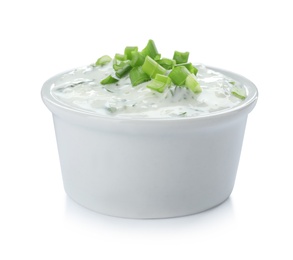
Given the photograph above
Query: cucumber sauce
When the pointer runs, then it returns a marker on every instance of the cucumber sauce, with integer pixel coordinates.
(81, 90)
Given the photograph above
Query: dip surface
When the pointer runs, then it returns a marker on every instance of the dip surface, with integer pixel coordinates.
(81, 90)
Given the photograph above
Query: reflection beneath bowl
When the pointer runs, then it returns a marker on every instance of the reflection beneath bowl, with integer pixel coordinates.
(209, 219)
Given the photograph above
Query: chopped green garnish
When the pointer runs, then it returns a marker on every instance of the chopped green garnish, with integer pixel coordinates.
(147, 65)
(152, 68)
(164, 79)
(157, 57)
(188, 66)
(194, 70)
(168, 64)
(150, 50)
(128, 51)
(138, 76)
(123, 71)
(159, 83)
(108, 80)
(120, 65)
(120, 57)
(157, 86)
(137, 59)
(103, 60)
(178, 75)
(192, 84)
(180, 57)
(238, 92)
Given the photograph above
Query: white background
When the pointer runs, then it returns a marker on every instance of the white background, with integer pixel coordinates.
(42, 38)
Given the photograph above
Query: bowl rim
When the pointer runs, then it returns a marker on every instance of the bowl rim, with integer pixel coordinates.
(57, 105)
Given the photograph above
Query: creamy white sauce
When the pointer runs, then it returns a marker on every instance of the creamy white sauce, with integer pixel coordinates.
(81, 89)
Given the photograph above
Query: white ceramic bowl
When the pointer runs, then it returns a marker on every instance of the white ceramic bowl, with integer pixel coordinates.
(149, 168)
